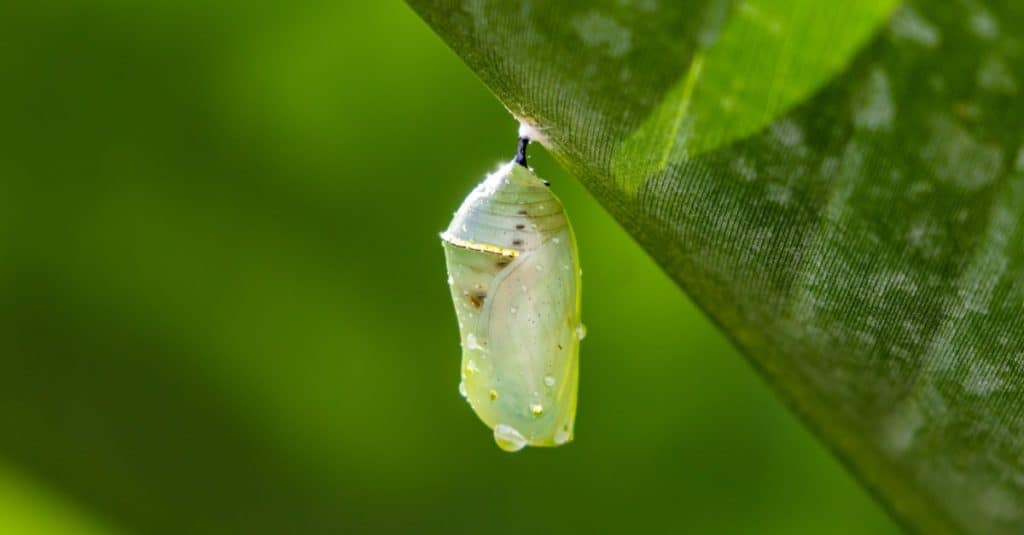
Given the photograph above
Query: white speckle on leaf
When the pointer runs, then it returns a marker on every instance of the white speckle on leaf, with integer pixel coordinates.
(990, 261)
(982, 379)
(829, 166)
(920, 188)
(1000, 503)
(994, 75)
(954, 344)
(760, 239)
(788, 133)
(601, 31)
(873, 107)
(956, 158)
(747, 169)
(865, 338)
(894, 280)
(713, 18)
(779, 193)
(913, 331)
(908, 25)
(925, 237)
(983, 24)
(900, 427)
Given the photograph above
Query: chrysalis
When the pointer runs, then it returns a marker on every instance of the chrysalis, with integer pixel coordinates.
(515, 279)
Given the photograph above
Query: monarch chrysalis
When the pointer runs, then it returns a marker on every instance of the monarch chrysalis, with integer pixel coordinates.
(514, 275)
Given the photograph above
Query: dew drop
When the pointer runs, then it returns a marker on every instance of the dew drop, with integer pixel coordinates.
(472, 343)
(549, 380)
(556, 240)
(581, 331)
(508, 438)
(536, 409)
(563, 435)
(513, 310)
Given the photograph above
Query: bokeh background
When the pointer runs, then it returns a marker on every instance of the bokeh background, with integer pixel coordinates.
(224, 306)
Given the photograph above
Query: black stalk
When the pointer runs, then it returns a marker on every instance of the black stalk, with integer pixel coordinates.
(521, 151)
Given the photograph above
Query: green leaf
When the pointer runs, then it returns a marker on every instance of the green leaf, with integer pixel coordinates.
(730, 90)
(839, 186)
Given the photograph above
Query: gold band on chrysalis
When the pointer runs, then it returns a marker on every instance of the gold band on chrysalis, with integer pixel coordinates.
(482, 247)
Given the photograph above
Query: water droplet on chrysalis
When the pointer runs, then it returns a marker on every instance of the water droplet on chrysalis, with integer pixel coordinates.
(563, 435)
(536, 409)
(462, 389)
(508, 438)
(472, 343)
(549, 380)
(581, 331)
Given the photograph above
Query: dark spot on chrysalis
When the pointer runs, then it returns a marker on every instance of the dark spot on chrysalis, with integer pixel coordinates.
(501, 263)
(546, 183)
(520, 227)
(517, 242)
(559, 346)
(477, 299)
(522, 212)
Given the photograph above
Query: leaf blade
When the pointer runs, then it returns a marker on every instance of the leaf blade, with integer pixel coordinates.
(862, 249)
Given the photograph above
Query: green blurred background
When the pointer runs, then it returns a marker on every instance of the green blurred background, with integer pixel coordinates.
(224, 306)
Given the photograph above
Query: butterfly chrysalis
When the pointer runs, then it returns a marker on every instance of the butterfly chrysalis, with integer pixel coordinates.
(514, 275)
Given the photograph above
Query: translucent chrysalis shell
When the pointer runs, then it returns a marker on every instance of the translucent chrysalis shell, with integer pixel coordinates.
(515, 279)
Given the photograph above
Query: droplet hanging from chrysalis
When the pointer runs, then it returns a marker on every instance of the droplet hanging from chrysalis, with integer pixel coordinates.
(519, 320)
